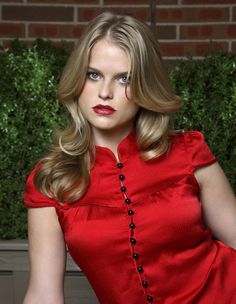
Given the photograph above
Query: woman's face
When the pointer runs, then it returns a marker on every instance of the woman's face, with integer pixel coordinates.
(103, 99)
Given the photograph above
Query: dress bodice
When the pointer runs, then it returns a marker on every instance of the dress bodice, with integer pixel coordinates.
(138, 232)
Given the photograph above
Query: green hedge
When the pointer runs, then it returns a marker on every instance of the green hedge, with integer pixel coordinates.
(29, 112)
(208, 91)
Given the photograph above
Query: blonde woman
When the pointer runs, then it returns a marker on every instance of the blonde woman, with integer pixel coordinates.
(146, 212)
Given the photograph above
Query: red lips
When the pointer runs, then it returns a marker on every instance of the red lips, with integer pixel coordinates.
(103, 109)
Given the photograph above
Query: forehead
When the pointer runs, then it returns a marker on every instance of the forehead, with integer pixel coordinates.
(107, 54)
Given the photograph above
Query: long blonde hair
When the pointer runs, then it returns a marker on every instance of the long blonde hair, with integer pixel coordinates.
(65, 170)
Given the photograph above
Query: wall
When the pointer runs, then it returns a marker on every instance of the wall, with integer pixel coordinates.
(184, 26)
(14, 275)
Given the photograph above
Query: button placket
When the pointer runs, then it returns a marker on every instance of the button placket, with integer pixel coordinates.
(149, 298)
(132, 227)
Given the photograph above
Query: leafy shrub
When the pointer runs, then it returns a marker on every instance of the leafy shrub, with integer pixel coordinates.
(29, 112)
(208, 91)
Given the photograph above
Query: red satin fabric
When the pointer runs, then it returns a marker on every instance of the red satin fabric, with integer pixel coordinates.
(181, 263)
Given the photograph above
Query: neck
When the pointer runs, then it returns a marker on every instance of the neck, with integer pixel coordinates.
(110, 138)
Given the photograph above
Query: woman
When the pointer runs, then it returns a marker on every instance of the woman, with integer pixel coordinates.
(136, 203)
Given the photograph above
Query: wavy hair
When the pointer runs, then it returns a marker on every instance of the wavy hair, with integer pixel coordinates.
(65, 170)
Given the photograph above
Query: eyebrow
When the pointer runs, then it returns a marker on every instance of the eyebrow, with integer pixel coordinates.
(116, 75)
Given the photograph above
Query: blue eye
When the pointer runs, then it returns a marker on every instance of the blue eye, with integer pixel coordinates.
(124, 79)
(93, 75)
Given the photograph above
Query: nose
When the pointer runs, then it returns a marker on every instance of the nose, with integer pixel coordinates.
(106, 90)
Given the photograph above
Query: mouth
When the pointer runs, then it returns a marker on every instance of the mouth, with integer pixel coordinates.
(103, 109)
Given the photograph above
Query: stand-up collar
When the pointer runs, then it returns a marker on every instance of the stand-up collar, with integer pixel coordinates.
(126, 148)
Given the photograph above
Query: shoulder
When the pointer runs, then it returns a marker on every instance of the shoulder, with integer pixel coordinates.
(197, 151)
(32, 196)
(186, 137)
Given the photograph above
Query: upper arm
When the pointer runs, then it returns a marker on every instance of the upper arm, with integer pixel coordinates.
(218, 202)
(47, 256)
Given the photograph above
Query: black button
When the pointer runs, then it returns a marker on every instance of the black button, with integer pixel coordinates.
(150, 298)
(132, 241)
(123, 188)
(121, 177)
(120, 165)
(145, 284)
(140, 269)
(127, 200)
(130, 212)
(132, 225)
(135, 255)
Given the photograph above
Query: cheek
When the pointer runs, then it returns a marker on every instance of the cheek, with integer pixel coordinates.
(84, 92)
(129, 104)
(128, 93)
(85, 98)
(83, 101)
(88, 89)
(130, 109)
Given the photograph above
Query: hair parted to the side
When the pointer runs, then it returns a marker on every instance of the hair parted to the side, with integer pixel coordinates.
(65, 171)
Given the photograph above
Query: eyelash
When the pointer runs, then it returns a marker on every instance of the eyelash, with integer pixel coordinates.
(127, 80)
(91, 74)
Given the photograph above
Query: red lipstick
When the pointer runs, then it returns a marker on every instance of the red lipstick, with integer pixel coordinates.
(103, 109)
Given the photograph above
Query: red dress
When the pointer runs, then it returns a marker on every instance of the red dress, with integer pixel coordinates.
(138, 234)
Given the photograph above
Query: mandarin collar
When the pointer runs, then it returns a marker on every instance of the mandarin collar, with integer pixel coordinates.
(126, 148)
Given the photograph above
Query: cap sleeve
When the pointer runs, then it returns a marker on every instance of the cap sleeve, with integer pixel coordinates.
(198, 152)
(33, 197)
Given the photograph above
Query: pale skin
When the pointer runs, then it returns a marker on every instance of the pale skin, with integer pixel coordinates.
(47, 257)
(107, 85)
(46, 241)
